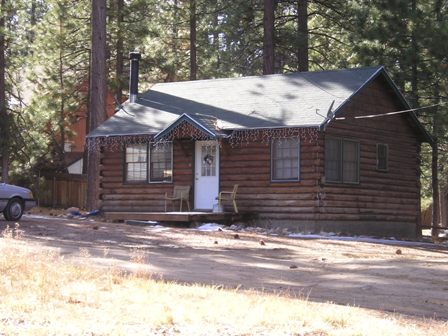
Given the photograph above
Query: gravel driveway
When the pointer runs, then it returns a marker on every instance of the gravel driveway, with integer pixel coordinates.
(408, 278)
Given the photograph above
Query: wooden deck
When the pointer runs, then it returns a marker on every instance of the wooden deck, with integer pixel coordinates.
(192, 217)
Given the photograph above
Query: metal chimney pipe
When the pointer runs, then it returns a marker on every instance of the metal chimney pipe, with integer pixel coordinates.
(134, 57)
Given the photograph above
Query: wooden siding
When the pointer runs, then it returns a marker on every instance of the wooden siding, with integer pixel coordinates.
(116, 195)
(249, 166)
(380, 196)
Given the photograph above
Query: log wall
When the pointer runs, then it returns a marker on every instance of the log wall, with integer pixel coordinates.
(392, 196)
(116, 195)
(249, 166)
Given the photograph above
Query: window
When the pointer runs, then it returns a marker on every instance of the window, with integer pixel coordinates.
(68, 147)
(382, 153)
(285, 159)
(208, 164)
(158, 162)
(341, 160)
(161, 166)
(136, 163)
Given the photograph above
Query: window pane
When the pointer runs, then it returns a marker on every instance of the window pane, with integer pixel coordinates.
(333, 163)
(161, 165)
(136, 172)
(136, 165)
(285, 159)
(136, 153)
(350, 164)
(381, 157)
(208, 162)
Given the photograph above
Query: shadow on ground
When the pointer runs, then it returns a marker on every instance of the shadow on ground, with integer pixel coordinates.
(369, 275)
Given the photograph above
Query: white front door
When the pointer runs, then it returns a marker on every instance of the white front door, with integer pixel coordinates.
(206, 184)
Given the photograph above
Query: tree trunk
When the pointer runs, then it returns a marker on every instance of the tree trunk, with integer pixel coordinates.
(303, 37)
(216, 42)
(97, 96)
(435, 190)
(32, 21)
(4, 117)
(61, 124)
(435, 150)
(414, 57)
(119, 65)
(172, 74)
(193, 61)
(268, 37)
(435, 166)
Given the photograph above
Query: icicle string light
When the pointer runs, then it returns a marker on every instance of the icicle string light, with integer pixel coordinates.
(238, 138)
(116, 143)
(188, 131)
(184, 131)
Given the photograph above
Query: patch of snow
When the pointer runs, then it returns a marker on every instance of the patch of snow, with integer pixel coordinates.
(44, 217)
(107, 241)
(157, 228)
(363, 239)
(209, 227)
(235, 227)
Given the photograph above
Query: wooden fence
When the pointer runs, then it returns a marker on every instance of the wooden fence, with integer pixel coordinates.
(62, 191)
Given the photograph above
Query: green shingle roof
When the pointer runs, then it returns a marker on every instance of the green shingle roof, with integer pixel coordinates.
(301, 99)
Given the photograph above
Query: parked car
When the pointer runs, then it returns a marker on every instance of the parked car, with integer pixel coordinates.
(14, 201)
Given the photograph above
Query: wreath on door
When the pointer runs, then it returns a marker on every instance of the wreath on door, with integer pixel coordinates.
(208, 159)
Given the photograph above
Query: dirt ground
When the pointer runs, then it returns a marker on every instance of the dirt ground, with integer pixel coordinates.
(402, 277)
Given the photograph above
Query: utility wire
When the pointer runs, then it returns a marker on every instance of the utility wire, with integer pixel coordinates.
(392, 113)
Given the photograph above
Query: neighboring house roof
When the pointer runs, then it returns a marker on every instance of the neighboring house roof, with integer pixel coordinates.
(301, 99)
(72, 157)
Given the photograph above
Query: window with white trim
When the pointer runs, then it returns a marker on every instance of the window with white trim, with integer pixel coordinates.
(382, 156)
(285, 156)
(341, 160)
(136, 163)
(155, 166)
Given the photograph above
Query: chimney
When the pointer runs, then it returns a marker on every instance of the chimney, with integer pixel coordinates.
(134, 57)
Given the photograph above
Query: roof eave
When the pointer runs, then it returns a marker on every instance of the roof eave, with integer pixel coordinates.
(178, 121)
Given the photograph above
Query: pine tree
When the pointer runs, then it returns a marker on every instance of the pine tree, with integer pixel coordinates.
(409, 38)
(60, 64)
(268, 37)
(4, 116)
(97, 95)
(303, 35)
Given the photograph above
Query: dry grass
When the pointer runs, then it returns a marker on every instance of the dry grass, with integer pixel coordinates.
(43, 294)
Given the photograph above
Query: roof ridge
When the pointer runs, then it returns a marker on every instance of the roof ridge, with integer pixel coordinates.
(260, 76)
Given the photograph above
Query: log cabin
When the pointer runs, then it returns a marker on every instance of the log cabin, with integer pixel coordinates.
(313, 151)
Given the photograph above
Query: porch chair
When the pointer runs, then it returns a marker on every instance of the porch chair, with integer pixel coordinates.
(181, 194)
(230, 196)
